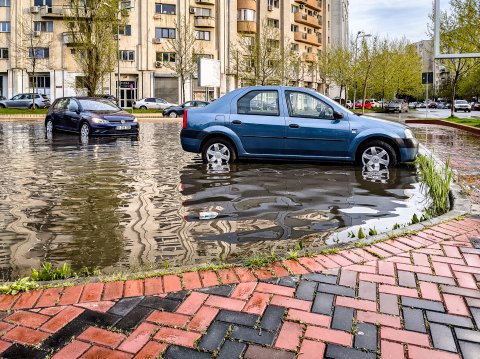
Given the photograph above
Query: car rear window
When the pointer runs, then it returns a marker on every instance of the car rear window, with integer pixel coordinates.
(259, 103)
(98, 105)
(462, 102)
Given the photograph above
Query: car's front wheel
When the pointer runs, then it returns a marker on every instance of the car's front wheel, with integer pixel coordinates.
(173, 114)
(218, 150)
(49, 125)
(376, 155)
(143, 107)
(33, 107)
(85, 130)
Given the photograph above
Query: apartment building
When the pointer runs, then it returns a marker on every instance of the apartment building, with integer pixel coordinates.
(305, 25)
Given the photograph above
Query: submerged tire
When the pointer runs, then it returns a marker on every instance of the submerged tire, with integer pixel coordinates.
(218, 150)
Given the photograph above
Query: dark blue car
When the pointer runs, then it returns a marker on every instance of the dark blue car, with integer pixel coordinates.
(90, 116)
(273, 122)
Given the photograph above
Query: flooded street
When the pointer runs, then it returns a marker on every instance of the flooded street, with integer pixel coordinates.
(116, 203)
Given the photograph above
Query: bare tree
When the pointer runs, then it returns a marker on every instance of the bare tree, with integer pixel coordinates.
(260, 58)
(184, 45)
(294, 66)
(92, 27)
(32, 49)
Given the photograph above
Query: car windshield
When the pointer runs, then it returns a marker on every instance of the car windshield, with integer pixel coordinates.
(99, 105)
(461, 102)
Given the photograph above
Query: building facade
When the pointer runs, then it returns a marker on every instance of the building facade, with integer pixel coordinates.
(305, 25)
(425, 50)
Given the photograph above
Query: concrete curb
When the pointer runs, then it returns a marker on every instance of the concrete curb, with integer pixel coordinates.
(459, 126)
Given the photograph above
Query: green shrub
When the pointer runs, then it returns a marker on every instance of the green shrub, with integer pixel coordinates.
(47, 272)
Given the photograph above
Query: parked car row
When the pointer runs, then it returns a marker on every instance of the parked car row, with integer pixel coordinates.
(26, 100)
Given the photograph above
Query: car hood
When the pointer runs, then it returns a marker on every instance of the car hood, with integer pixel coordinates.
(371, 121)
(174, 107)
(112, 116)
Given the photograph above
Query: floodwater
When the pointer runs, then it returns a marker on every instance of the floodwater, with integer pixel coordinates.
(117, 203)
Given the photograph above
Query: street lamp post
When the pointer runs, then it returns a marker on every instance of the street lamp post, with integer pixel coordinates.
(361, 34)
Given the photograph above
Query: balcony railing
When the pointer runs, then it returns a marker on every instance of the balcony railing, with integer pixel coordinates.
(249, 27)
(311, 39)
(306, 19)
(309, 57)
(204, 21)
(205, 2)
(314, 4)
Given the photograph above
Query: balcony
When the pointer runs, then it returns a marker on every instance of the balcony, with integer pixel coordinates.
(313, 4)
(69, 39)
(247, 4)
(205, 2)
(247, 27)
(309, 57)
(306, 19)
(52, 12)
(311, 39)
(204, 21)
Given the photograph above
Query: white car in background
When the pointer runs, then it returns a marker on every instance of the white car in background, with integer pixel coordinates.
(374, 102)
(461, 105)
(152, 103)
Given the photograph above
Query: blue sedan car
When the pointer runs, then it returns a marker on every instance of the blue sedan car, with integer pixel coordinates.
(274, 122)
(90, 116)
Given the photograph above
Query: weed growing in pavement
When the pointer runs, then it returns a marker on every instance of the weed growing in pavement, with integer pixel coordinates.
(436, 183)
(21, 285)
(396, 226)
(329, 251)
(258, 261)
(360, 234)
(351, 234)
(292, 255)
(372, 231)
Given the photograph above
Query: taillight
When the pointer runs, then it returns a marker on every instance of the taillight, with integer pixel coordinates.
(185, 119)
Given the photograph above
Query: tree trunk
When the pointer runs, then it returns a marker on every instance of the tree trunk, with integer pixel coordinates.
(182, 92)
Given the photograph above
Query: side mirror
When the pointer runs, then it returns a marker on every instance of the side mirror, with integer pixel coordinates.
(337, 115)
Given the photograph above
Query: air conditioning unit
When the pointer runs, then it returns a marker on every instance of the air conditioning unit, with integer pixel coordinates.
(158, 64)
(34, 9)
(302, 6)
(192, 10)
(270, 7)
(36, 34)
(315, 13)
(156, 40)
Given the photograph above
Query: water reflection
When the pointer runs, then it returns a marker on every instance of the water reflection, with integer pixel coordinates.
(120, 202)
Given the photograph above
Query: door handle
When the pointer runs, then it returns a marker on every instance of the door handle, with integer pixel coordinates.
(294, 125)
(236, 122)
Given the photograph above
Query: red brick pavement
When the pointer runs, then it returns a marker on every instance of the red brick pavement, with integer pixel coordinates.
(422, 299)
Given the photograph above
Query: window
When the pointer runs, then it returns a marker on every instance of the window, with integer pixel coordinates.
(259, 103)
(125, 30)
(4, 26)
(42, 2)
(149, 99)
(274, 3)
(127, 55)
(165, 33)
(3, 53)
(72, 105)
(301, 104)
(295, 47)
(165, 9)
(43, 26)
(295, 9)
(200, 11)
(4, 3)
(294, 28)
(41, 82)
(273, 23)
(38, 52)
(202, 35)
(166, 56)
(125, 5)
(246, 15)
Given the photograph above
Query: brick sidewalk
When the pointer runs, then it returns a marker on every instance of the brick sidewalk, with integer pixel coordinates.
(422, 299)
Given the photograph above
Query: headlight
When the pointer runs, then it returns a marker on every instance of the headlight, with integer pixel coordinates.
(409, 134)
(135, 119)
(99, 120)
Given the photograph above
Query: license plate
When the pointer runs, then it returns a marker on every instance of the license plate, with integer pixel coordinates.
(123, 127)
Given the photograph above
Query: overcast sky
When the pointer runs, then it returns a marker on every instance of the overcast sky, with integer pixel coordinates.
(392, 18)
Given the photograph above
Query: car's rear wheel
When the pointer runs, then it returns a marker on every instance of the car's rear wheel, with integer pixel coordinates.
(2, 106)
(34, 107)
(49, 125)
(84, 130)
(143, 107)
(218, 150)
(173, 114)
(376, 155)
